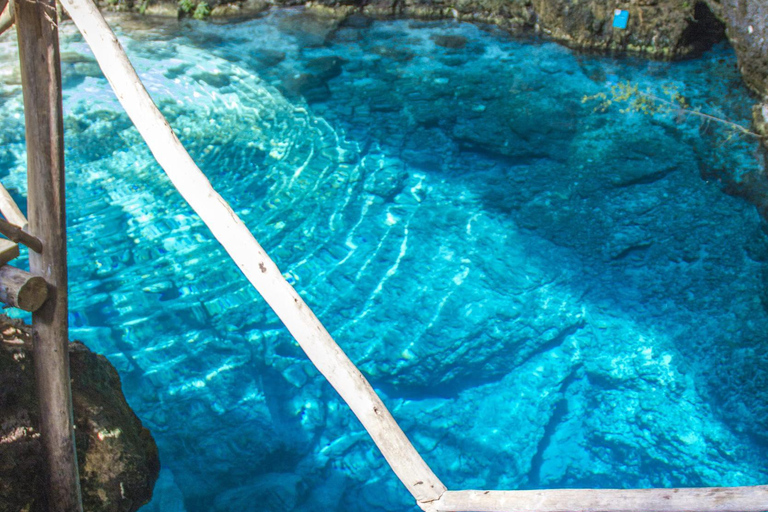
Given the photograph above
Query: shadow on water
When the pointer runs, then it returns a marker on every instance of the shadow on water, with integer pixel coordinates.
(548, 295)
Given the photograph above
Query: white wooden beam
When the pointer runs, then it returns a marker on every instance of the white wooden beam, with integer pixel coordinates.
(250, 257)
(9, 208)
(6, 15)
(8, 251)
(703, 499)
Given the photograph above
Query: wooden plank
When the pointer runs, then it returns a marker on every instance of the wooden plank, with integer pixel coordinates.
(16, 234)
(37, 31)
(20, 289)
(10, 209)
(8, 251)
(6, 16)
(703, 499)
(251, 258)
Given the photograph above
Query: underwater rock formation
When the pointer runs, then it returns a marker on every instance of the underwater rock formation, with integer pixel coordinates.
(578, 313)
(118, 459)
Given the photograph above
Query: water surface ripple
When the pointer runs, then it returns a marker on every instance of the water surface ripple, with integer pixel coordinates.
(546, 295)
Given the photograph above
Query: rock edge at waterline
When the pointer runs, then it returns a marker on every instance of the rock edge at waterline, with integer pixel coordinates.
(117, 456)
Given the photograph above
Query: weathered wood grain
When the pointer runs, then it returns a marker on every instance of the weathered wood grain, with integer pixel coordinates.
(20, 289)
(36, 26)
(250, 257)
(8, 206)
(8, 251)
(16, 234)
(703, 499)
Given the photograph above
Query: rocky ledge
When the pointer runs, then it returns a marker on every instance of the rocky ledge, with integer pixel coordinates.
(117, 456)
(661, 29)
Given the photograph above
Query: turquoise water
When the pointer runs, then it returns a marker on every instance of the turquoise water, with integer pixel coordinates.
(544, 294)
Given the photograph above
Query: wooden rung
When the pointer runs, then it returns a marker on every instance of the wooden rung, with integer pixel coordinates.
(8, 251)
(20, 289)
(6, 16)
(19, 236)
(10, 209)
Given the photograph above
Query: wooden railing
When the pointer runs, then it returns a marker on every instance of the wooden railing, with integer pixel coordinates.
(428, 491)
(44, 290)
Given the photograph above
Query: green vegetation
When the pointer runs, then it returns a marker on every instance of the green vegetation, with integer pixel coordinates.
(198, 10)
(201, 11)
(633, 99)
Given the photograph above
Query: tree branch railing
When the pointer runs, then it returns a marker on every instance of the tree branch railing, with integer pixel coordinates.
(9, 208)
(250, 257)
(701, 499)
(18, 235)
(328, 357)
(6, 15)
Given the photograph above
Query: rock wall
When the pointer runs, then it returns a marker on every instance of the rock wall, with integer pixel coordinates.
(747, 29)
(117, 456)
(662, 29)
(665, 29)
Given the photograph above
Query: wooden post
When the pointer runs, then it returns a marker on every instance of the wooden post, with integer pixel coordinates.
(36, 26)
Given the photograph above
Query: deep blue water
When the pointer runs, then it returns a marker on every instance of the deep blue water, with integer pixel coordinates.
(545, 295)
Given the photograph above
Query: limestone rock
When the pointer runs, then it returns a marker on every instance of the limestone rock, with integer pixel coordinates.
(747, 29)
(661, 29)
(118, 459)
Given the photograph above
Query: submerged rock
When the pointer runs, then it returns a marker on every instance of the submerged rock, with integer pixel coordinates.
(118, 459)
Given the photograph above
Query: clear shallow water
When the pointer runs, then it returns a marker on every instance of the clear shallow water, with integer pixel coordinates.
(547, 296)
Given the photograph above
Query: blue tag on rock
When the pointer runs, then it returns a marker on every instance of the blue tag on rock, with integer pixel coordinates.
(620, 18)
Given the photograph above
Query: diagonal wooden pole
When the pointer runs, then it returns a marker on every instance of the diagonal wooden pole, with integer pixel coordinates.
(6, 15)
(36, 26)
(8, 206)
(251, 258)
(261, 271)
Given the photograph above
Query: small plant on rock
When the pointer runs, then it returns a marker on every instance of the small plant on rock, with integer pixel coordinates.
(201, 11)
(186, 6)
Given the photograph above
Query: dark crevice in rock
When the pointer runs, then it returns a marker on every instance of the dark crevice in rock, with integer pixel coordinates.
(703, 31)
(764, 291)
(452, 385)
(559, 414)
(554, 342)
(633, 250)
(752, 187)
(646, 179)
